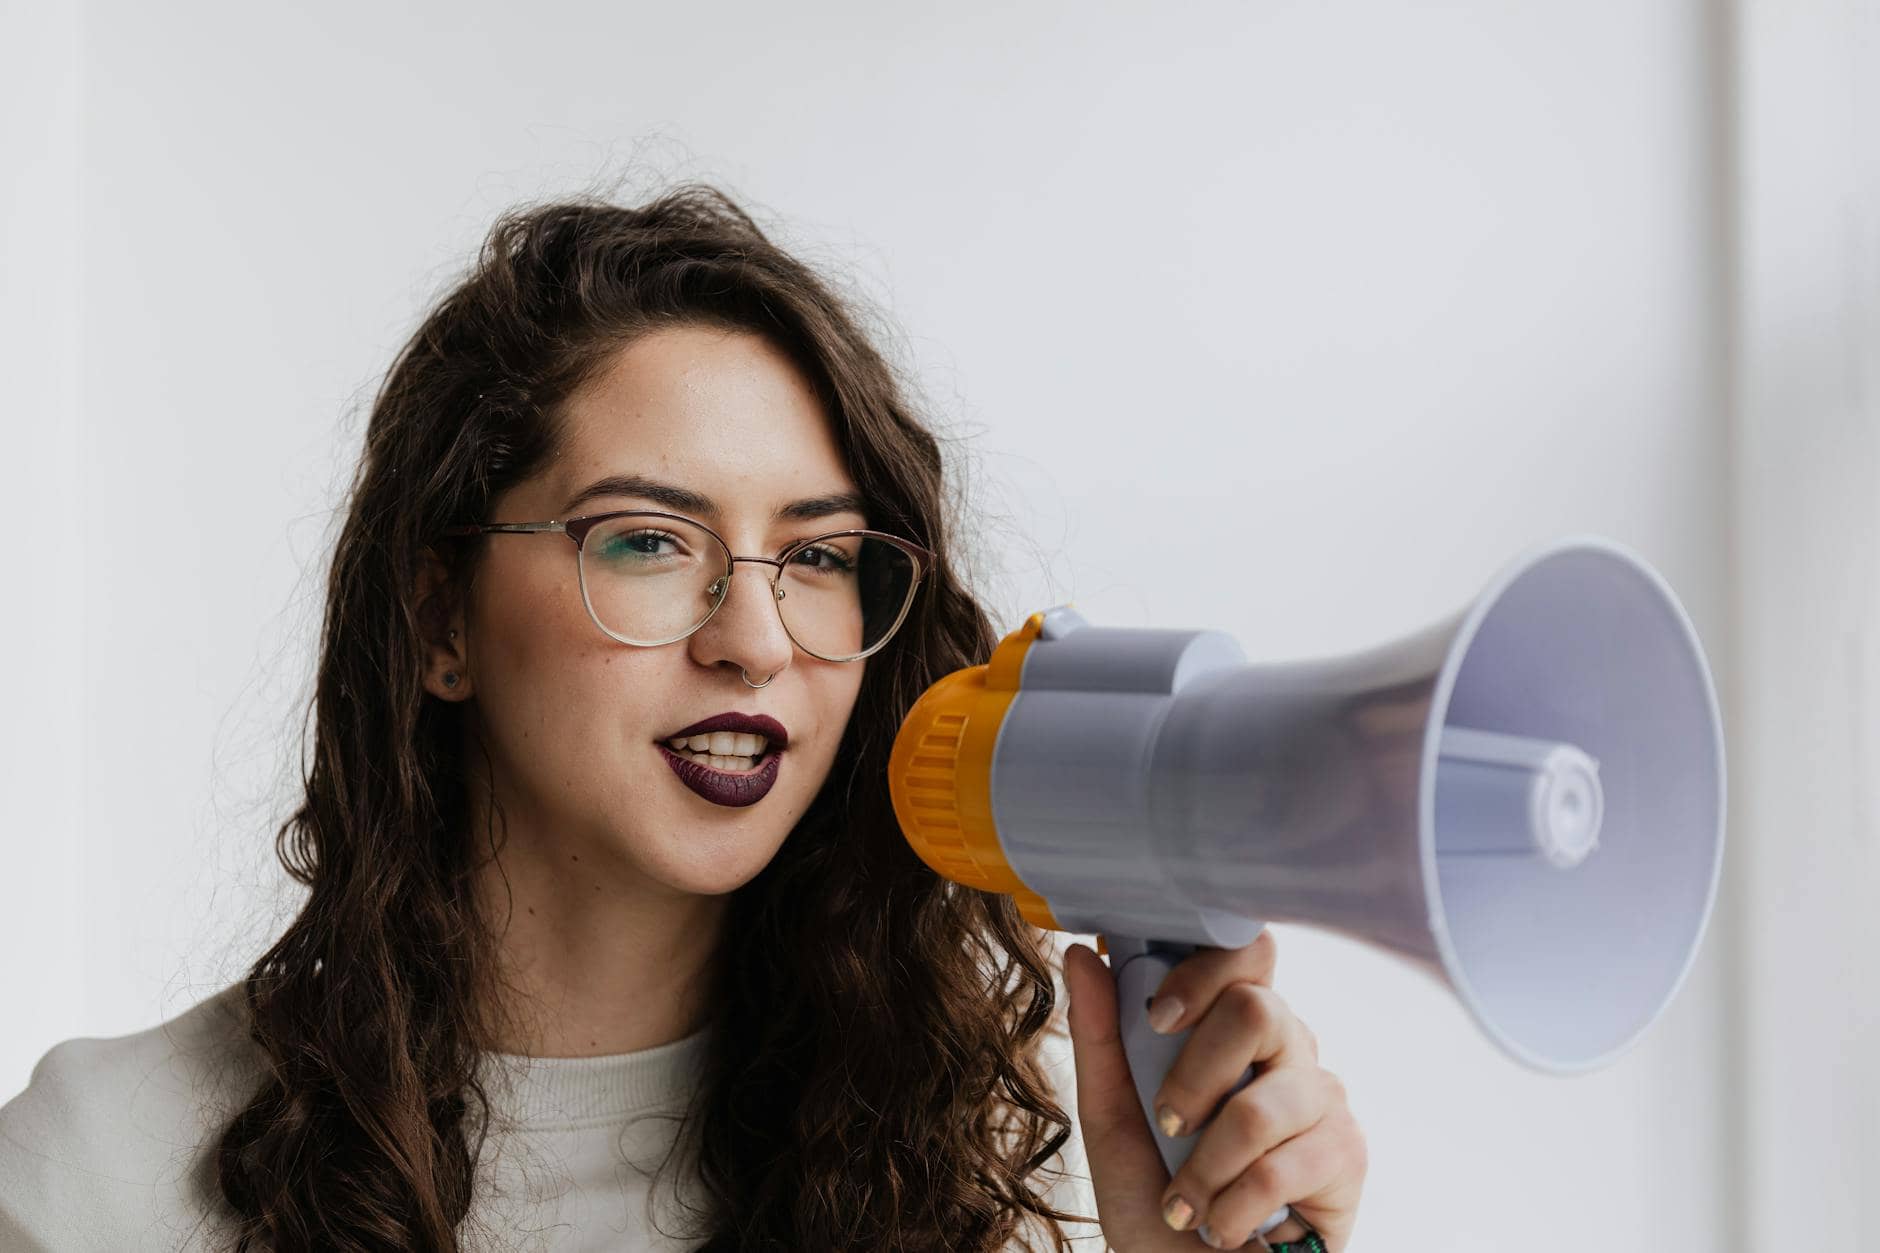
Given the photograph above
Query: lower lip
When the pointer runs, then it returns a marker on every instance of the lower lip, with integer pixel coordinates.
(722, 787)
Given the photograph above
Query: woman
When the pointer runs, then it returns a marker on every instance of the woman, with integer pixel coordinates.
(580, 967)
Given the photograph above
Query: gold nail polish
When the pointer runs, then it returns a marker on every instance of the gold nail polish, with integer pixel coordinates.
(1169, 1120)
(1178, 1213)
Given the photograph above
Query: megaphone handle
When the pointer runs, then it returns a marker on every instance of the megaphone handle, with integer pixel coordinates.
(1139, 966)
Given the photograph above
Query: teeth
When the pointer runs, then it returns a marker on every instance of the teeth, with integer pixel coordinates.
(722, 744)
(719, 761)
(735, 751)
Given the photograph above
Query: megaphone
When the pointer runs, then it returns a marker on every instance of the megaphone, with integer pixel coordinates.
(1524, 800)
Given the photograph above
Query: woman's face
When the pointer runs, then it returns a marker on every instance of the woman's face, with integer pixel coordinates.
(572, 719)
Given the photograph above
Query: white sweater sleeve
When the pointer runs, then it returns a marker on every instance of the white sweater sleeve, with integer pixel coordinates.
(109, 1146)
(70, 1178)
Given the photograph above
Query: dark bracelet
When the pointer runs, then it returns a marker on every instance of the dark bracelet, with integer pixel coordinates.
(1308, 1243)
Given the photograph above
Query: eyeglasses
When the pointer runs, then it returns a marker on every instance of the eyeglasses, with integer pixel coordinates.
(650, 578)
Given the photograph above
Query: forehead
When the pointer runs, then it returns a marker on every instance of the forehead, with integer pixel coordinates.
(724, 414)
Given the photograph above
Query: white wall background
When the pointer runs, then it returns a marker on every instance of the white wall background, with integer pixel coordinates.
(1364, 298)
(1805, 373)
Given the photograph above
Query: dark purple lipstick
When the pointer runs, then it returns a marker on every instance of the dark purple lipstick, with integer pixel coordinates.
(724, 787)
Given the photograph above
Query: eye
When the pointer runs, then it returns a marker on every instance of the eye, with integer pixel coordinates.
(641, 543)
(824, 557)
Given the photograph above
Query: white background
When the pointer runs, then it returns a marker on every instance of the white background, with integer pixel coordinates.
(1291, 319)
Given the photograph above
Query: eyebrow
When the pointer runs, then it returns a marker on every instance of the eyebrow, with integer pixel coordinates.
(685, 500)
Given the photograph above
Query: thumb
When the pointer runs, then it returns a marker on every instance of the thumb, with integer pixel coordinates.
(1126, 1168)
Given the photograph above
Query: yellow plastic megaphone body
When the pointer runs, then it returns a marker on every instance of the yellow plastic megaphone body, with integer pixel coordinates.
(1525, 800)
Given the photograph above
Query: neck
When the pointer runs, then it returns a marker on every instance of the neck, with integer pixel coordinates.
(594, 958)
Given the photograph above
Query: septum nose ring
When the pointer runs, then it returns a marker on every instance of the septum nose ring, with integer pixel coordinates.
(747, 677)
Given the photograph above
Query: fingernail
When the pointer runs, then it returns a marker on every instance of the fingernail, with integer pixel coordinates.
(1163, 1013)
(1213, 1241)
(1170, 1121)
(1178, 1213)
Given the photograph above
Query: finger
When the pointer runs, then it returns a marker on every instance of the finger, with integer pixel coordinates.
(1096, 1042)
(1117, 1142)
(1247, 1024)
(1254, 1121)
(1311, 1164)
(1198, 978)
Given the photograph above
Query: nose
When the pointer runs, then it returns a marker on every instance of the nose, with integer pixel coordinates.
(747, 628)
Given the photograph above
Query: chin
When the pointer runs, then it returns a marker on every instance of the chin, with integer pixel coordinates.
(718, 866)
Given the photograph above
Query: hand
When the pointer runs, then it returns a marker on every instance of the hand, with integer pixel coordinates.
(1287, 1138)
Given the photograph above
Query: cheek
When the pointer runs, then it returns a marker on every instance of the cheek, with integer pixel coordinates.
(837, 688)
(543, 670)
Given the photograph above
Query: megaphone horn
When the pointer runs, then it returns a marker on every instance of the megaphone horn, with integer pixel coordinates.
(1526, 800)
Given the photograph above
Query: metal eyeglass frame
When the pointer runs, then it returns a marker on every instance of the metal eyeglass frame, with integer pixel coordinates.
(576, 529)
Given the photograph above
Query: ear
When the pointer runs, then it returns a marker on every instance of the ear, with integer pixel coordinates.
(437, 604)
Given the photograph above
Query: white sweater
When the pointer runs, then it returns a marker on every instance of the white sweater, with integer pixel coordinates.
(111, 1144)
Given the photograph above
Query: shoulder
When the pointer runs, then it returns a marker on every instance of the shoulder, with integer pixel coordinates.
(111, 1144)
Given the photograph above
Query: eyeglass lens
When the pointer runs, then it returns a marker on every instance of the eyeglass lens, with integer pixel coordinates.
(652, 580)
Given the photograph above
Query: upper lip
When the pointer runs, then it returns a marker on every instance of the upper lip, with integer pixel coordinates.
(757, 724)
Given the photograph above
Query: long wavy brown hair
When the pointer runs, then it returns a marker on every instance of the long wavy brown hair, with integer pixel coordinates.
(874, 1079)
